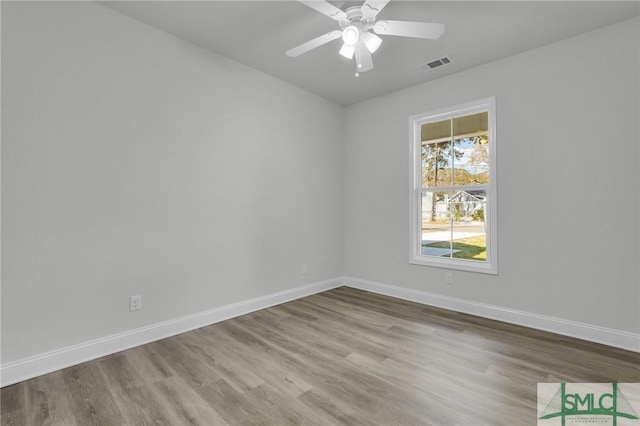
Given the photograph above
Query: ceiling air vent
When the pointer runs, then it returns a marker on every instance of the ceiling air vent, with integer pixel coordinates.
(435, 64)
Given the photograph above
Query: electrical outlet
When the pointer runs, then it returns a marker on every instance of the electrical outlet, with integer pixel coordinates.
(448, 277)
(303, 269)
(135, 303)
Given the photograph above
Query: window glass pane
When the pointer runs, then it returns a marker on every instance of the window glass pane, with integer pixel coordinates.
(436, 224)
(453, 225)
(469, 227)
(436, 153)
(471, 150)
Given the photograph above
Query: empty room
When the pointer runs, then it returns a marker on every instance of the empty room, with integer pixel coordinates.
(319, 212)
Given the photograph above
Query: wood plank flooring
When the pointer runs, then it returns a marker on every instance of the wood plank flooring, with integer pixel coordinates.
(340, 357)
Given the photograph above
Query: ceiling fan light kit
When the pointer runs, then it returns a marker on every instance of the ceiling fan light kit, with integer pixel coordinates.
(347, 50)
(351, 35)
(356, 23)
(372, 41)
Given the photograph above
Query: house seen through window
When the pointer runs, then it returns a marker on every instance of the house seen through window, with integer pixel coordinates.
(454, 188)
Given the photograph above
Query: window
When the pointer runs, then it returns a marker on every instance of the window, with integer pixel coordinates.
(453, 188)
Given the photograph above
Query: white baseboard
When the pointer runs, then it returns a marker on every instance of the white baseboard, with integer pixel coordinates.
(38, 365)
(592, 333)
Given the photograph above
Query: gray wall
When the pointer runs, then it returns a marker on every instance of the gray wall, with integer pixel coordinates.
(568, 180)
(136, 163)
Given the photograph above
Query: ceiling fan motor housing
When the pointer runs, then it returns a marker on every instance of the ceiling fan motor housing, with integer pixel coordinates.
(355, 17)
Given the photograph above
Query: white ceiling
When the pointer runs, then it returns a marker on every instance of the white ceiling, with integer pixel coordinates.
(257, 33)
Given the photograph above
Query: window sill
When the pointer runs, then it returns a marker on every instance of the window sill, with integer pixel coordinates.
(456, 264)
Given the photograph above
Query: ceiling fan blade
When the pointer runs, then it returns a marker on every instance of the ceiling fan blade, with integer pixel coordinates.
(364, 62)
(326, 9)
(371, 8)
(312, 44)
(409, 29)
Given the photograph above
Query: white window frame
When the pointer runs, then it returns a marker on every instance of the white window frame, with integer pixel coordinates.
(490, 266)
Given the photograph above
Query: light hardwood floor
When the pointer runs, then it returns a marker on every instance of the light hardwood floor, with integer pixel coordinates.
(340, 357)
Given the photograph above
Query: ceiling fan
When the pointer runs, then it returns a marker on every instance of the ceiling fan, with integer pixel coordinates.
(356, 23)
